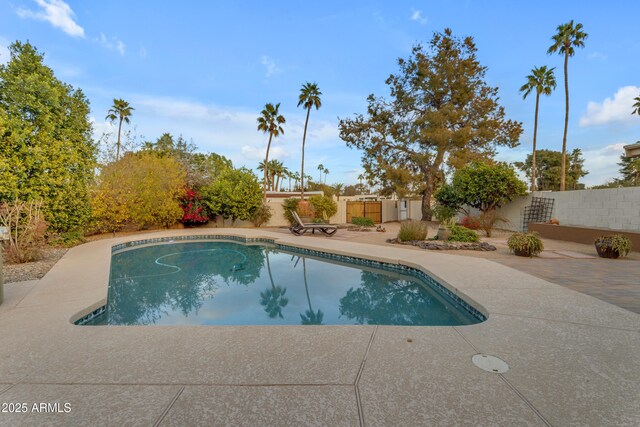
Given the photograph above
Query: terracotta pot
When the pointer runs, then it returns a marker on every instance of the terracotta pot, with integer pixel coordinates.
(605, 251)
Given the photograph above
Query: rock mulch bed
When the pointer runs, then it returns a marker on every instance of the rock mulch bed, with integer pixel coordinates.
(32, 270)
(446, 246)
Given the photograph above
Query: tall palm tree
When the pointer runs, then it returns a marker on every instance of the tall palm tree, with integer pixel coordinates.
(309, 97)
(120, 110)
(636, 106)
(565, 41)
(544, 82)
(338, 188)
(321, 169)
(326, 172)
(270, 122)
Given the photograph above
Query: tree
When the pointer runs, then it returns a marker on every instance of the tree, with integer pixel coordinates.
(565, 41)
(636, 106)
(46, 149)
(326, 172)
(270, 122)
(320, 169)
(630, 170)
(442, 111)
(142, 189)
(309, 97)
(235, 195)
(121, 111)
(338, 189)
(544, 82)
(549, 169)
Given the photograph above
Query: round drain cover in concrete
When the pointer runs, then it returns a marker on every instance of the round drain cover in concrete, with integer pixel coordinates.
(490, 363)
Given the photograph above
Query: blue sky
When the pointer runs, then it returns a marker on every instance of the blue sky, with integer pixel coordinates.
(205, 69)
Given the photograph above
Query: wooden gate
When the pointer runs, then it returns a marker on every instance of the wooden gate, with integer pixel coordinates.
(371, 210)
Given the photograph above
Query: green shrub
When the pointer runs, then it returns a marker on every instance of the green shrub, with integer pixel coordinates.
(413, 230)
(236, 194)
(444, 213)
(525, 242)
(290, 205)
(262, 215)
(463, 234)
(362, 222)
(617, 242)
(324, 207)
(68, 239)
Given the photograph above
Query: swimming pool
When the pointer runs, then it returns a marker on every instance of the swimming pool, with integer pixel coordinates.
(222, 282)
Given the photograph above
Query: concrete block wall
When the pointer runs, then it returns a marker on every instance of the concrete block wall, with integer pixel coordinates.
(613, 208)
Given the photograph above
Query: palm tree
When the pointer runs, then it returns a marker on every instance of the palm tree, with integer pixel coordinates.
(544, 82)
(120, 110)
(338, 188)
(326, 172)
(565, 40)
(309, 97)
(636, 106)
(321, 169)
(270, 122)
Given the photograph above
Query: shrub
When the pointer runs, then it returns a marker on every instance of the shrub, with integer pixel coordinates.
(236, 194)
(324, 207)
(617, 242)
(27, 229)
(525, 242)
(463, 234)
(362, 222)
(194, 210)
(141, 189)
(413, 230)
(444, 213)
(471, 222)
(289, 205)
(262, 215)
(68, 239)
(488, 220)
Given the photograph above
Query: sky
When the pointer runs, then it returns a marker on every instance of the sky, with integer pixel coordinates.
(205, 69)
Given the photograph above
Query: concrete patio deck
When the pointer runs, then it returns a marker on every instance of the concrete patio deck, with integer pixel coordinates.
(573, 359)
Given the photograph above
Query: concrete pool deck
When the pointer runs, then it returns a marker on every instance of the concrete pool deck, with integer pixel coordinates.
(573, 359)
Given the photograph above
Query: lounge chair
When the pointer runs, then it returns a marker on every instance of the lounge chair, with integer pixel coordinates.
(300, 227)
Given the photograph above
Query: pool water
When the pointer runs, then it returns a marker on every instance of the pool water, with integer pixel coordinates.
(228, 283)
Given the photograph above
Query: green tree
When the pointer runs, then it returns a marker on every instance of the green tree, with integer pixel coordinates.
(543, 81)
(309, 97)
(338, 189)
(205, 168)
(320, 169)
(487, 186)
(121, 111)
(565, 41)
(636, 106)
(630, 170)
(235, 194)
(270, 122)
(46, 149)
(442, 110)
(549, 169)
(142, 189)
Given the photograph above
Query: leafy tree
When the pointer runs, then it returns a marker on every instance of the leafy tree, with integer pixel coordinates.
(543, 81)
(549, 169)
(630, 170)
(323, 206)
(202, 168)
(636, 106)
(442, 111)
(270, 122)
(121, 111)
(309, 97)
(46, 149)
(565, 41)
(235, 195)
(140, 189)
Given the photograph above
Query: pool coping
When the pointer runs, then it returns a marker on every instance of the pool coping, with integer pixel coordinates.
(532, 324)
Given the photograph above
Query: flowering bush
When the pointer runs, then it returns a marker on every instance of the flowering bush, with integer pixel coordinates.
(472, 222)
(195, 211)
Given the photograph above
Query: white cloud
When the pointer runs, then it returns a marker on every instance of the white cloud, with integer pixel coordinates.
(270, 66)
(419, 17)
(597, 56)
(257, 153)
(57, 13)
(616, 110)
(112, 43)
(602, 163)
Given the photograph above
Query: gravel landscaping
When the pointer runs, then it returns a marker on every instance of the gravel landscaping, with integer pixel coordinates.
(32, 270)
(446, 246)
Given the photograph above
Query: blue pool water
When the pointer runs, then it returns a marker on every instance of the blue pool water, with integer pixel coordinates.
(229, 283)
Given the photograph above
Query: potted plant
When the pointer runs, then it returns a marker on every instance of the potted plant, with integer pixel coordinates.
(525, 244)
(613, 246)
(446, 216)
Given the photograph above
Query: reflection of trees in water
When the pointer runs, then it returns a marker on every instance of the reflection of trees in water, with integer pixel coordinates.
(384, 300)
(142, 292)
(273, 300)
(309, 317)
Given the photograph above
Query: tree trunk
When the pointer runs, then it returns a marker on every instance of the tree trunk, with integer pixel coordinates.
(535, 134)
(118, 143)
(266, 167)
(426, 201)
(566, 120)
(304, 139)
